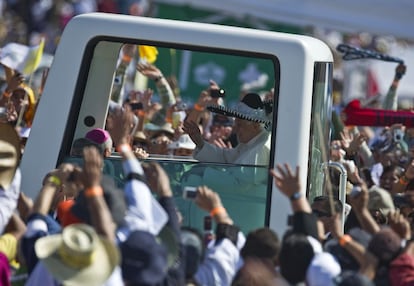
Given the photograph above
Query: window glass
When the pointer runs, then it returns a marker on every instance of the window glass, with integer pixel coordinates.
(243, 185)
(320, 127)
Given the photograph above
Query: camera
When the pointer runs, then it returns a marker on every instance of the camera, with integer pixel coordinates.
(189, 193)
(215, 93)
(181, 105)
(136, 106)
(398, 135)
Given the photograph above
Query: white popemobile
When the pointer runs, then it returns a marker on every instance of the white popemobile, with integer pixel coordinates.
(77, 94)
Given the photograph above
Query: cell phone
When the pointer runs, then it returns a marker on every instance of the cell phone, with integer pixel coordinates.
(136, 106)
(215, 93)
(207, 223)
(189, 193)
(398, 135)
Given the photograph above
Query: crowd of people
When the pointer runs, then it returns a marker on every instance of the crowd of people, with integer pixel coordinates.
(82, 229)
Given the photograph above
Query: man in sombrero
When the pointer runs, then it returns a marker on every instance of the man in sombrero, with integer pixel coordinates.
(249, 126)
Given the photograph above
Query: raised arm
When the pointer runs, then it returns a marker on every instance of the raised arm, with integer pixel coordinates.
(92, 172)
(391, 101)
(289, 184)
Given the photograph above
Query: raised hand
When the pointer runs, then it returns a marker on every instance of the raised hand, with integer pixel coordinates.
(219, 142)
(157, 179)
(148, 70)
(120, 124)
(14, 82)
(400, 71)
(92, 168)
(351, 143)
(399, 224)
(207, 199)
(192, 129)
(286, 181)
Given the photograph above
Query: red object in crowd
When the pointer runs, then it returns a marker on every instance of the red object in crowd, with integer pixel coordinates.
(353, 114)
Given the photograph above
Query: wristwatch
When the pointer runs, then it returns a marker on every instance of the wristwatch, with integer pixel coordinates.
(296, 196)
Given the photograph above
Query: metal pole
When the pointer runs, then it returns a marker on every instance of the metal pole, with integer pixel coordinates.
(342, 185)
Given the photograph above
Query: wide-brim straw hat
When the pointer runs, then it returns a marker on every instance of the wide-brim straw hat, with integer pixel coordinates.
(78, 256)
(9, 154)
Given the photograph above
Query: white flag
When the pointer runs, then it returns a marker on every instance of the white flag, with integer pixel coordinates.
(22, 58)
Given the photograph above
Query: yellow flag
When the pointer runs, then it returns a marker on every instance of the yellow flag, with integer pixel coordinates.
(148, 53)
(33, 58)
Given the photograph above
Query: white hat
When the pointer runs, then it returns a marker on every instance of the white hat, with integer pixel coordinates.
(9, 154)
(322, 270)
(78, 256)
(184, 142)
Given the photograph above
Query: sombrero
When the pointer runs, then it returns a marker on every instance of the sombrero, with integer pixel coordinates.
(78, 256)
(9, 154)
(250, 108)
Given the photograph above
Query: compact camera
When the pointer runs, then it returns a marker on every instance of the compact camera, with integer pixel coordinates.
(136, 106)
(181, 105)
(215, 93)
(189, 193)
(398, 135)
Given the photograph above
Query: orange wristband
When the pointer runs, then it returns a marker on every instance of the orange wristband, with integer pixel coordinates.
(95, 191)
(122, 148)
(345, 239)
(198, 107)
(141, 113)
(7, 94)
(404, 180)
(217, 210)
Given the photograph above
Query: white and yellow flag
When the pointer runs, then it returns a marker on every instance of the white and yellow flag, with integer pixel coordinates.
(22, 58)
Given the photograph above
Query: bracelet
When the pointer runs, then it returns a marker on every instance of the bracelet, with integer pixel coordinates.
(55, 180)
(198, 107)
(296, 196)
(158, 78)
(345, 239)
(95, 191)
(217, 210)
(141, 113)
(123, 148)
(404, 180)
(7, 94)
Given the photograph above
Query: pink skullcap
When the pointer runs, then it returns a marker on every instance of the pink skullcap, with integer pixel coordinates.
(97, 135)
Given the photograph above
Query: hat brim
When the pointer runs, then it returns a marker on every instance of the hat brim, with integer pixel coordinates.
(167, 237)
(106, 258)
(10, 154)
(220, 109)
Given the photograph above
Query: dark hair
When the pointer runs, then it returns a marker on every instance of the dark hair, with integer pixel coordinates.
(295, 256)
(393, 168)
(193, 245)
(338, 207)
(261, 243)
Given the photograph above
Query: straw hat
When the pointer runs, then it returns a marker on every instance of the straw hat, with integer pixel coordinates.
(9, 154)
(184, 141)
(78, 256)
